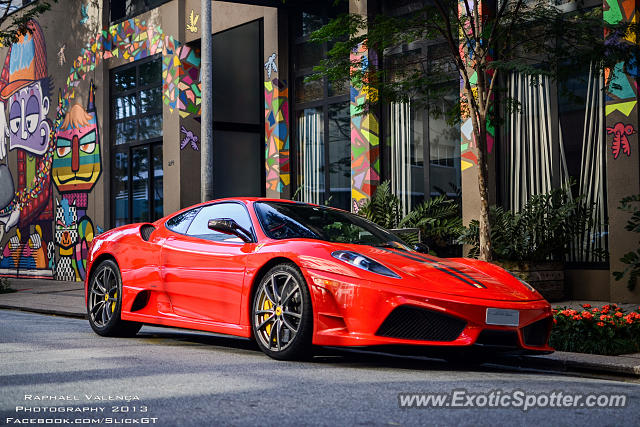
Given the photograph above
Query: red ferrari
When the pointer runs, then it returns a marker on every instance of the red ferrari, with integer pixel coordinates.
(293, 275)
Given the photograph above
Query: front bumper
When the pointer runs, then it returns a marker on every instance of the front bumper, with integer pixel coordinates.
(350, 312)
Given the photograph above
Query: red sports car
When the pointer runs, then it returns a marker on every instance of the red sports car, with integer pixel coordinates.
(294, 275)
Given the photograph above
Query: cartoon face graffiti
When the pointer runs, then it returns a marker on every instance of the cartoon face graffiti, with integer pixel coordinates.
(66, 224)
(76, 162)
(28, 125)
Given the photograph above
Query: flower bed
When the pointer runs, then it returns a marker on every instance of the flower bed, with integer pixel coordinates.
(606, 330)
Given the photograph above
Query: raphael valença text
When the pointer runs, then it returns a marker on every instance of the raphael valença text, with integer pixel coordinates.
(84, 397)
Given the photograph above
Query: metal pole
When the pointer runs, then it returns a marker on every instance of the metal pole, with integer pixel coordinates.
(206, 124)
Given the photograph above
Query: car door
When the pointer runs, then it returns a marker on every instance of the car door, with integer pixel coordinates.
(203, 270)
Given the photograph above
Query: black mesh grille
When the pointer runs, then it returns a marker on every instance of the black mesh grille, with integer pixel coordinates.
(498, 338)
(146, 230)
(536, 334)
(414, 323)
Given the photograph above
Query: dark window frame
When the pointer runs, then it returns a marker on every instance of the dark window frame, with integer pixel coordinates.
(324, 103)
(150, 143)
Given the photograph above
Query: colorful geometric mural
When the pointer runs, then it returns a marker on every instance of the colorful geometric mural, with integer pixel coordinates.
(365, 134)
(276, 124)
(132, 40)
(25, 217)
(76, 168)
(622, 87)
(468, 143)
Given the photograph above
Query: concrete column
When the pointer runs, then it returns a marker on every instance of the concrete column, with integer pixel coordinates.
(622, 159)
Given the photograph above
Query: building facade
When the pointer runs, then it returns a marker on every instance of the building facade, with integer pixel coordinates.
(101, 122)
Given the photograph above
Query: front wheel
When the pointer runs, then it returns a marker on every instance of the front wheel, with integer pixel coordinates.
(282, 316)
(104, 302)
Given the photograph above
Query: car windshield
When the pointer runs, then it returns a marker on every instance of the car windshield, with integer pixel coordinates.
(285, 220)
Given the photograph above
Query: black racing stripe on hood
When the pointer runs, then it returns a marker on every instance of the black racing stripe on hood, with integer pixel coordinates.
(444, 268)
(431, 259)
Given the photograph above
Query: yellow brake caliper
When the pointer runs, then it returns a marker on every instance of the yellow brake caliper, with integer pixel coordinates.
(266, 306)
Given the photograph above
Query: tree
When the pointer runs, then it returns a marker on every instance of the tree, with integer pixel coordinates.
(14, 17)
(483, 42)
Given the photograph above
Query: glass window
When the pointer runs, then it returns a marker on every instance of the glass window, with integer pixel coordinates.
(136, 111)
(340, 155)
(181, 222)
(123, 9)
(322, 133)
(200, 225)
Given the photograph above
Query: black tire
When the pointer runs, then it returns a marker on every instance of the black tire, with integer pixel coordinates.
(282, 318)
(104, 302)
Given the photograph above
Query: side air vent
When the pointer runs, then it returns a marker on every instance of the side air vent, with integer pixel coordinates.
(146, 230)
(141, 301)
(413, 323)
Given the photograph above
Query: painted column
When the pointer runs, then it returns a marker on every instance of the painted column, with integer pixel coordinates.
(276, 106)
(623, 153)
(365, 126)
(468, 144)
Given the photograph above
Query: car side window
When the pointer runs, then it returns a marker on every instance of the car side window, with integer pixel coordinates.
(200, 225)
(181, 222)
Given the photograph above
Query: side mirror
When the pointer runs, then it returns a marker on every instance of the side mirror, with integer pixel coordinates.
(421, 247)
(229, 226)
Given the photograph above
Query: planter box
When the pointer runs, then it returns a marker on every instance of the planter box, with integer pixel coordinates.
(546, 277)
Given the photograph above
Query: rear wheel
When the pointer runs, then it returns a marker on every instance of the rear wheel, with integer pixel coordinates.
(104, 302)
(282, 317)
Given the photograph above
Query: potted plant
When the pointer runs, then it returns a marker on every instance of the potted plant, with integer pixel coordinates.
(534, 242)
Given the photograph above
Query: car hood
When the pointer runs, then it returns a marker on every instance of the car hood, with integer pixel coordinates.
(453, 276)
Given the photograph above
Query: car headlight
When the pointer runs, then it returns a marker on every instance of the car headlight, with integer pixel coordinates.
(357, 260)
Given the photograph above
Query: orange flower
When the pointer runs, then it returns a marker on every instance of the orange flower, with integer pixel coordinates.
(586, 305)
(600, 324)
(619, 314)
(587, 315)
(603, 317)
(595, 310)
(576, 317)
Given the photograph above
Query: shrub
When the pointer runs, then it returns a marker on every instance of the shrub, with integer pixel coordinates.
(607, 330)
(543, 230)
(438, 218)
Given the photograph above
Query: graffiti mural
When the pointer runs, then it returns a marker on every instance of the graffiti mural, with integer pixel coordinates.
(276, 123)
(132, 40)
(189, 139)
(270, 65)
(25, 216)
(365, 135)
(620, 141)
(622, 87)
(76, 168)
(192, 24)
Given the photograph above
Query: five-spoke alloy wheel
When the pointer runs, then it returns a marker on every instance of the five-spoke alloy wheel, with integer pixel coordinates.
(282, 314)
(104, 302)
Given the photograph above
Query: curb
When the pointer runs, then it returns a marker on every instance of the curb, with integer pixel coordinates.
(565, 365)
(63, 313)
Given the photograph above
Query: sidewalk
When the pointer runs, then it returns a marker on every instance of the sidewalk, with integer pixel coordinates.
(46, 296)
(67, 299)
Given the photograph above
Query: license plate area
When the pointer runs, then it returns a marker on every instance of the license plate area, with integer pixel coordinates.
(502, 317)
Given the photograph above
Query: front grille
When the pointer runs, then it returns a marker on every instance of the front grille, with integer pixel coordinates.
(146, 230)
(498, 338)
(413, 323)
(536, 334)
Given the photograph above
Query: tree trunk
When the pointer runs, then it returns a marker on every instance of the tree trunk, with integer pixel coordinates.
(483, 178)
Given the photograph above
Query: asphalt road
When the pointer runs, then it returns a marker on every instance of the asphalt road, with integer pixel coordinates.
(174, 377)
